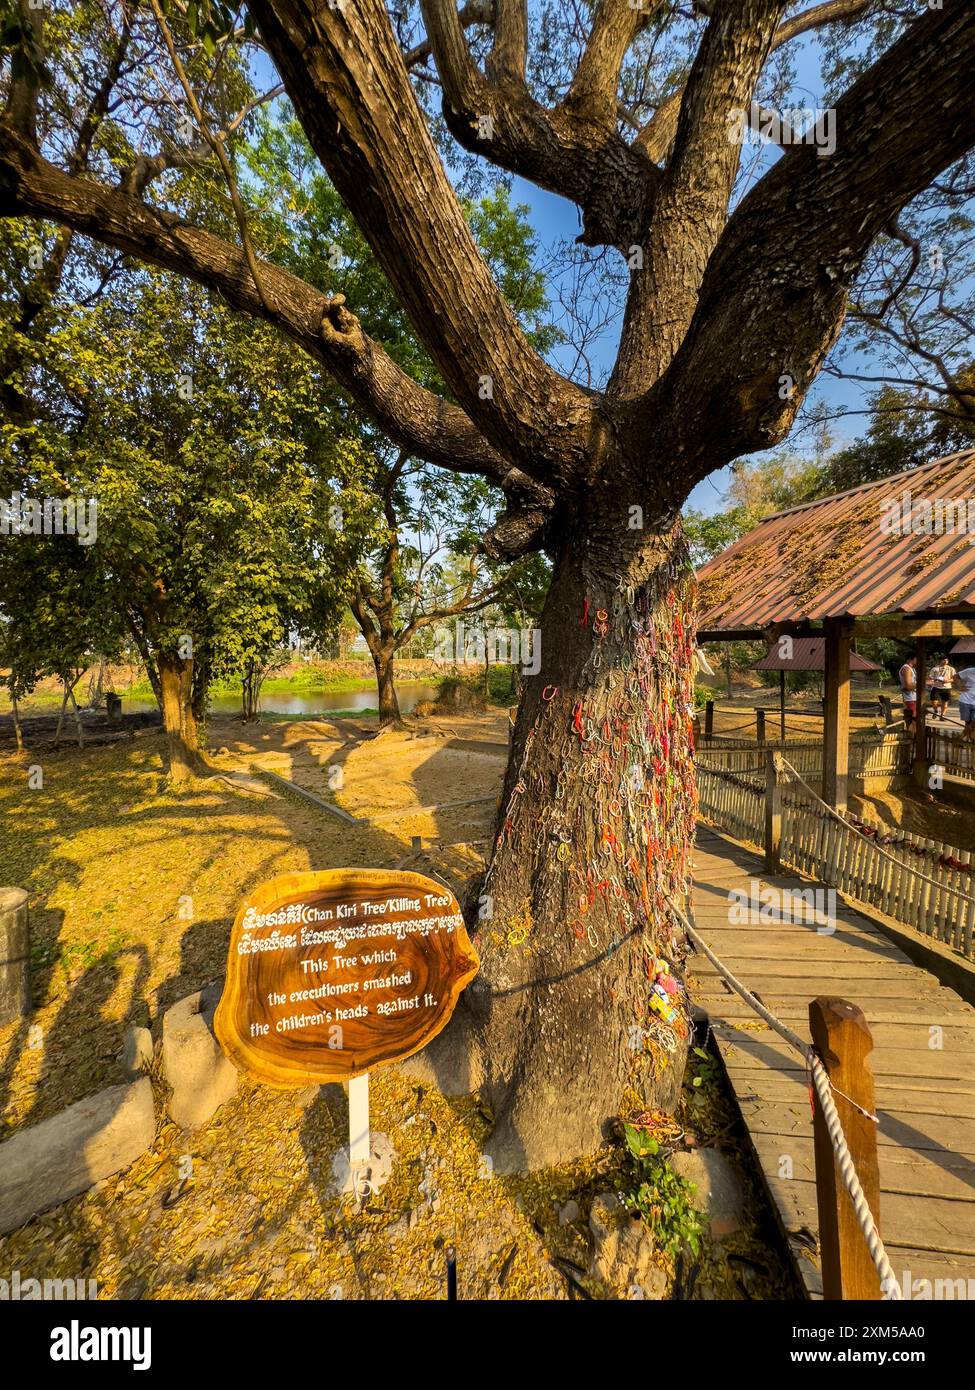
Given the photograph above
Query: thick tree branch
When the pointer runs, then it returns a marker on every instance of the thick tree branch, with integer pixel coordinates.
(414, 418)
(20, 108)
(509, 52)
(350, 87)
(657, 136)
(691, 207)
(474, 12)
(776, 291)
(594, 87)
(568, 151)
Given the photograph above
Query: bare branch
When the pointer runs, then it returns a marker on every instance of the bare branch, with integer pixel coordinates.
(218, 147)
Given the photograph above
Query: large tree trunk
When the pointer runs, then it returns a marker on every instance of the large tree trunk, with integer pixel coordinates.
(382, 659)
(593, 836)
(250, 691)
(176, 691)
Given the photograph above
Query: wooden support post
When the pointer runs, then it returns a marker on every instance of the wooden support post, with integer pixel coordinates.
(921, 727)
(836, 731)
(760, 726)
(708, 720)
(773, 812)
(842, 1038)
(782, 707)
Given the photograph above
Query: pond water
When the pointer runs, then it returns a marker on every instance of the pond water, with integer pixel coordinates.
(306, 702)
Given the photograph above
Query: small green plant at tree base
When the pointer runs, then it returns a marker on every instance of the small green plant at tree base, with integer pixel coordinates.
(659, 1195)
(707, 1071)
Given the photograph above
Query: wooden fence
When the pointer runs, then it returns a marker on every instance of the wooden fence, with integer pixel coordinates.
(951, 752)
(924, 883)
(887, 757)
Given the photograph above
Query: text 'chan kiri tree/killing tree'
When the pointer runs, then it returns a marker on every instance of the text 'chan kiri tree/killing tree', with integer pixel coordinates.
(722, 306)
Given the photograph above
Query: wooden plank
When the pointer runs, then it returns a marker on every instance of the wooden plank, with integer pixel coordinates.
(892, 1011)
(902, 1171)
(749, 1053)
(925, 1096)
(913, 1094)
(953, 1133)
(916, 1034)
(809, 965)
(933, 1224)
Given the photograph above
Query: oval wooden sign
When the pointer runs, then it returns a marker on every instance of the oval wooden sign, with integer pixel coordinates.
(331, 974)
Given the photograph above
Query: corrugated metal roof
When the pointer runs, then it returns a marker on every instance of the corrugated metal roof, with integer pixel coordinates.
(808, 654)
(842, 555)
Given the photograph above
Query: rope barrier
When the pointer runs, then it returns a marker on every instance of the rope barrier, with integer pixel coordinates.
(901, 863)
(823, 1086)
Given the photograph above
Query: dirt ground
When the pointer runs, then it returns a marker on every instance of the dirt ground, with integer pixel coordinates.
(133, 892)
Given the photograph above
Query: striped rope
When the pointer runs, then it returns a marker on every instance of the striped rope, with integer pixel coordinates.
(821, 1081)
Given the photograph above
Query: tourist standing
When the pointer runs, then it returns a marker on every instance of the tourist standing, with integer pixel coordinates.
(965, 680)
(907, 676)
(940, 680)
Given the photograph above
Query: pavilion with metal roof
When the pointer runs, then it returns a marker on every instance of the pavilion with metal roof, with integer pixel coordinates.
(803, 654)
(893, 558)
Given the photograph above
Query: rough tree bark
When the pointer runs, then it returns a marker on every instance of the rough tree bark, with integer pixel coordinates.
(179, 721)
(594, 829)
(592, 841)
(382, 660)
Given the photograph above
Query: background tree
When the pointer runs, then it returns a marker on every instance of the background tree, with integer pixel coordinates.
(190, 428)
(736, 293)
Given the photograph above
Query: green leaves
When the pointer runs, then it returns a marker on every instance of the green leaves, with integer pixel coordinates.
(639, 1142)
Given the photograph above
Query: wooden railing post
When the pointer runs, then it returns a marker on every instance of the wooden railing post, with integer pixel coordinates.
(708, 719)
(773, 811)
(921, 723)
(760, 725)
(842, 1038)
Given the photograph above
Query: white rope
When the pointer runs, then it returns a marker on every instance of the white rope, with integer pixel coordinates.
(821, 1081)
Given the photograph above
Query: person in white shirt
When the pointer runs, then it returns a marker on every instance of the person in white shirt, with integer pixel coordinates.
(907, 676)
(965, 680)
(940, 679)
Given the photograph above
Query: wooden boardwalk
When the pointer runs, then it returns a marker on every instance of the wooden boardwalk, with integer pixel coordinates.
(925, 1092)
